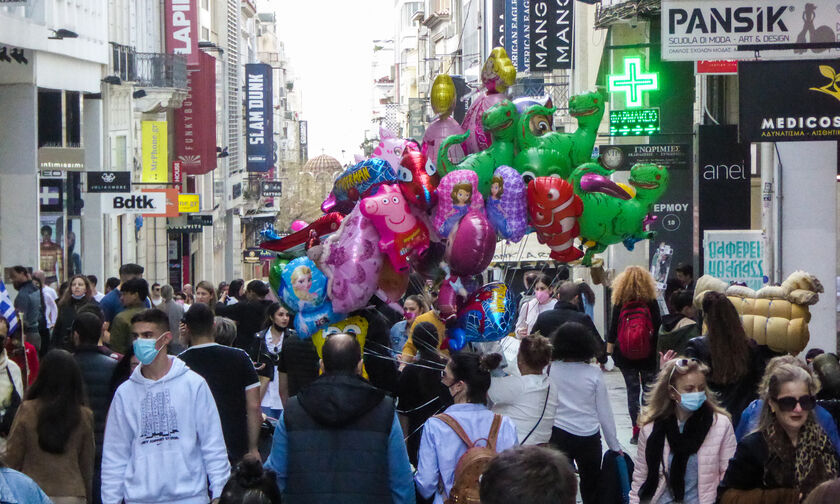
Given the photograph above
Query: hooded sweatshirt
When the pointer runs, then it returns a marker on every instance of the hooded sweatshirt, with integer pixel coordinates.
(163, 440)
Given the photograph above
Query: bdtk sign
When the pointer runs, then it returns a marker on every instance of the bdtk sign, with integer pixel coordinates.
(135, 203)
(737, 29)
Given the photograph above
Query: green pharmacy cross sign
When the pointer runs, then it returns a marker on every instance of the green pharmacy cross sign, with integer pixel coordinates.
(633, 83)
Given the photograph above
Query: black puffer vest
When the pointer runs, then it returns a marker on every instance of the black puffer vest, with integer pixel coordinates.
(338, 429)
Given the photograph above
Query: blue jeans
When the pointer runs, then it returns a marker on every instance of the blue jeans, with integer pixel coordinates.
(271, 412)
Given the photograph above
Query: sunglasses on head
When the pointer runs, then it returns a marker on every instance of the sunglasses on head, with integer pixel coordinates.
(806, 402)
(683, 366)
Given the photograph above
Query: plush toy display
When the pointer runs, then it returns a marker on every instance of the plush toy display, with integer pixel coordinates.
(776, 316)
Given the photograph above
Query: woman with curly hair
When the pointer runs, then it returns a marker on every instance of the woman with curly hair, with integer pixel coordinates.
(789, 455)
(736, 362)
(632, 335)
(686, 439)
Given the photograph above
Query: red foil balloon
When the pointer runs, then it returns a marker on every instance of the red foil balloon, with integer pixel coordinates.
(471, 245)
(296, 243)
(418, 179)
(554, 209)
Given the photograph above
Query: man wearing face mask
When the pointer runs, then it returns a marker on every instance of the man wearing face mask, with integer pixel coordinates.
(163, 437)
(566, 310)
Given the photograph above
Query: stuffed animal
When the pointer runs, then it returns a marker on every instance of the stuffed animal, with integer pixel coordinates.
(776, 316)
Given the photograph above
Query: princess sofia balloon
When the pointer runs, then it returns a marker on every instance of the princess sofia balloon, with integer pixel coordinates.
(457, 195)
(506, 205)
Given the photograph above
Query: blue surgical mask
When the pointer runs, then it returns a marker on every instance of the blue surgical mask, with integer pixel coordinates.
(145, 351)
(691, 401)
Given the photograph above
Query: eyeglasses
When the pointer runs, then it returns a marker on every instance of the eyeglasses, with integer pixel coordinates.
(683, 365)
(807, 402)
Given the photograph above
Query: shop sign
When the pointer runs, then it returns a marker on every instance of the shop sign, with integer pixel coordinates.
(723, 179)
(195, 120)
(181, 19)
(259, 114)
(551, 33)
(735, 256)
(497, 35)
(51, 196)
(171, 207)
(633, 82)
(251, 255)
(189, 203)
(184, 228)
(177, 174)
(203, 219)
(721, 67)
(61, 158)
(789, 100)
(634, 122)
(737, 29)
(271, 188)
(109, 182)
(134, 203)
(155, 152)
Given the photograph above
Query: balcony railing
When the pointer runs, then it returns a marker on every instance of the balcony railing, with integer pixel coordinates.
(161, 70)
(123, 62)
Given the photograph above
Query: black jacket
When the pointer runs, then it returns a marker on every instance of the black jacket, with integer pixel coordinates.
(61, 335)
(563, 312)
(97, 370)
(651, 363)
(345, 419)
(249, 317)
(746, 470)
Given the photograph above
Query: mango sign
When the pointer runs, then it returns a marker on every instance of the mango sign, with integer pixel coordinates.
(189, 203)
(735, 256)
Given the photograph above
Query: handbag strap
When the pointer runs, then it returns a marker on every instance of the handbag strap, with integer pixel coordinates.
(451, 422)
(545, 404)
(12, 383)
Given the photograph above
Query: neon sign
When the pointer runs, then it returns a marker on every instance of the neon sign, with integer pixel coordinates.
(633, 83)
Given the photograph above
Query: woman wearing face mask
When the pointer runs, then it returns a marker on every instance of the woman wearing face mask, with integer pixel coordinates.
(78, 293)
(789, 455)
(266, 354)
(412, 308)
(467, 376)
(529, 311)
(686, 439)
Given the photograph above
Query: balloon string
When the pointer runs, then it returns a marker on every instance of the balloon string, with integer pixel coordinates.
(424, 423)
(412, 410)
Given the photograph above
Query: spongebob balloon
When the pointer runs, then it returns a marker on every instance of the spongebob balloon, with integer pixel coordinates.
(356, 325)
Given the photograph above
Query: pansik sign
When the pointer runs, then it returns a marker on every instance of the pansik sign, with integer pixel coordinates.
(736, 29)
(259, 114)
(181, 17)
(155, 166)
(550, 36)
(735, 256)
(789, 100)
(195, 121)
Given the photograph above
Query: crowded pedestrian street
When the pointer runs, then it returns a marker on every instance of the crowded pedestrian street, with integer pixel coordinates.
(419, 252)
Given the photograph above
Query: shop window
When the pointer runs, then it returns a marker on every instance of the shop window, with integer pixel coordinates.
(49, 118)
(73, 118)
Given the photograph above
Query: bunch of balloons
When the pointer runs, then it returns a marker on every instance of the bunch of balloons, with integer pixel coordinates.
(437, 210)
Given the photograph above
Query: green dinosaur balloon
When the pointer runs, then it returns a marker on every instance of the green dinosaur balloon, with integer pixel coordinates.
(498, 120)
(542, 152)
(611, 212)
(276, 269)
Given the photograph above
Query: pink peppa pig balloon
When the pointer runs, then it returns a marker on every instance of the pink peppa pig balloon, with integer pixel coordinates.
(401, 234)
(352, 260)
(298, 225)
(506, 205)
(471, 245)
(457, 194)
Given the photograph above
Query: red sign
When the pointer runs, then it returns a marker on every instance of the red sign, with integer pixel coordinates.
(181, 17)
(176, 175)
(722, 67)
(171, 203)
(195, 121)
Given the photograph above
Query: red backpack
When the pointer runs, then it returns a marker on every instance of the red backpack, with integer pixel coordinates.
(635, 331)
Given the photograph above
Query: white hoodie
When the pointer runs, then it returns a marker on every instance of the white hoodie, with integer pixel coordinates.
(163, 440)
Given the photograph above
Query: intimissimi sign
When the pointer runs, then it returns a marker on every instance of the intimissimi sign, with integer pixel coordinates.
(259, 114)
(181, 18)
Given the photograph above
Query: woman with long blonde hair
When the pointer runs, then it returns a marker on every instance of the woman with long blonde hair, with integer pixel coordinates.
(789, 455)
(686, 438)
(632, 335)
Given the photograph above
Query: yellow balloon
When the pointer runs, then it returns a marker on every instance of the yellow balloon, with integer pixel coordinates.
(443, 95)
(356, 325)
(498, 73)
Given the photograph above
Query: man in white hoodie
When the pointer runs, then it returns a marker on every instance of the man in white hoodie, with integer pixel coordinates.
(163, 436)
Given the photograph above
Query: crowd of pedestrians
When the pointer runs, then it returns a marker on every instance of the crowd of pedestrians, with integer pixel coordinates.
(148, 394)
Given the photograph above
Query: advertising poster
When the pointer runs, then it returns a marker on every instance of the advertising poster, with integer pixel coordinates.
(551, 30)
(259, 114)
(181, 19)
(735, 256)
(195, 120)
(51, 251)
(738, 29)
(789, 100)
(723, 179)
(155, 153)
